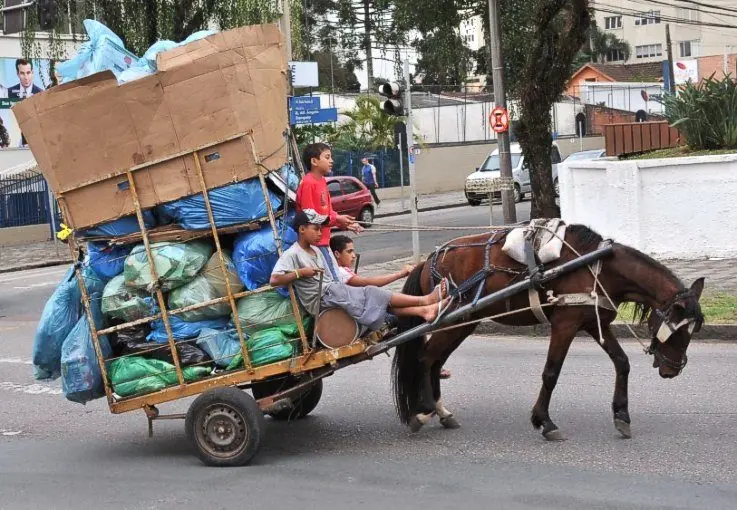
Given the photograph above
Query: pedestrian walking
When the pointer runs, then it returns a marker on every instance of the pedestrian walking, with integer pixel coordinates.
(368, 175)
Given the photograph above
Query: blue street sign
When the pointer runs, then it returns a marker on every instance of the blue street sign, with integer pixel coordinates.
(304, 103)
(313, 116)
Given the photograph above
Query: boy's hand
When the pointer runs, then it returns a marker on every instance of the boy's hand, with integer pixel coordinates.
(348, 223)
(309, 272)
(408, 269)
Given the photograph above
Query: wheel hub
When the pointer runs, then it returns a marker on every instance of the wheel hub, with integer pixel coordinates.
(223, 430)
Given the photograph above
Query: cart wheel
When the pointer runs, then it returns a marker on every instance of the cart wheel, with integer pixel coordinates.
(301, 406)
(226, 426)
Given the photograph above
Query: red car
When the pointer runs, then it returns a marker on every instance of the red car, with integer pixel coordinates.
(350, 196)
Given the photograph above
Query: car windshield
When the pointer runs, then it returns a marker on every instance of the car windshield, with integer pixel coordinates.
(492, 162)
(583, 155)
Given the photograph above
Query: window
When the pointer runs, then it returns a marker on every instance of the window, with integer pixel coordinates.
(554, 155)
(689, 48)
(648, 18)
(649, 50)
(334, 188)
(687, 14)
(350, 187)
(615, 56)
(613, 22)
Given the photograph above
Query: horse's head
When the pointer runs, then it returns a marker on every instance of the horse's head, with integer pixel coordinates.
(672, 327)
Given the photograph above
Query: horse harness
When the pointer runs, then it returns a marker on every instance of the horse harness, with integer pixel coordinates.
(477, 281)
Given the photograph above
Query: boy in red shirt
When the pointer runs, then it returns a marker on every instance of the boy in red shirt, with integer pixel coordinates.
(313, 194)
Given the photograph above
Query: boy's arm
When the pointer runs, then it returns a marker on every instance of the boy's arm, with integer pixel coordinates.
(310, 199)
(378, 281)
(286, 271)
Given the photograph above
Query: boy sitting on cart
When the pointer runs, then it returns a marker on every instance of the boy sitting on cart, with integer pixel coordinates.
(304, 265)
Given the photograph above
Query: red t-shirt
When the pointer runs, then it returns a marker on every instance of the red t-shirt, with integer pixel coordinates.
(313, 194)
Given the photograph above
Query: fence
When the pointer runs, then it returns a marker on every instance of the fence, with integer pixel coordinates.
(637, 137)
(386, 162)
(24, 200)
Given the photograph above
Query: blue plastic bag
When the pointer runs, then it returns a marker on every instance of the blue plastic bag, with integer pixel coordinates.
(233, 204)
(183, 330)
(255, 255)
(289, 175)
(107, 261)
(60, 315)
(220, 345)
(81, 377)
(104, 51)
(120, 227)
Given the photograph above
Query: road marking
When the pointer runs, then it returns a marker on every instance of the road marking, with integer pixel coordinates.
(26, 276)
(34, 285)
(4, 432)
(31, 389)
(16, 360)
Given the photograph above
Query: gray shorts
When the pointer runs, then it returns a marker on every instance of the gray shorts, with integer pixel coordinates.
(368, 305)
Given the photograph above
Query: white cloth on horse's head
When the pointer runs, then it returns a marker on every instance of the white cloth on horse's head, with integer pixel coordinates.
(547, 240)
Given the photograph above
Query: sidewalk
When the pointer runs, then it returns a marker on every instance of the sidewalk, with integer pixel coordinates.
(432, 202)
(32, 256)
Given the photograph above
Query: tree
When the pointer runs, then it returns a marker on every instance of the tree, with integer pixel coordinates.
(604, 43)
(444, 61)
(368, 126)
(559, 31)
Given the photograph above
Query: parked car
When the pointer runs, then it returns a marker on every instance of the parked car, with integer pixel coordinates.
(579, 156)
(520, 173)
(350, 196)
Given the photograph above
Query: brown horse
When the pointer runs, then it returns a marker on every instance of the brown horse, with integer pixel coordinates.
(672, 312)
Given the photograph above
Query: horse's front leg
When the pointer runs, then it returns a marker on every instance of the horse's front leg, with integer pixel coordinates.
(620, 401)
(564, 327)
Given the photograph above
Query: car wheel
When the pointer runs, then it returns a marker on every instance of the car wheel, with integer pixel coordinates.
(556, 186)
(366, 217)
(517, 194)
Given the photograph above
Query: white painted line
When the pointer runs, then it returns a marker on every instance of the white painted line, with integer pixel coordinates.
(31, 389)
(27, 274)
(19, 361)
(4, 432)
(34, 285)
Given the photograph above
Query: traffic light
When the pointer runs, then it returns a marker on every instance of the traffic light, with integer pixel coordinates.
(393, 105)
(47, 14)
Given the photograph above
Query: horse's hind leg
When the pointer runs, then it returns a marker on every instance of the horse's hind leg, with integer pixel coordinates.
(564, 327)
(620, 402)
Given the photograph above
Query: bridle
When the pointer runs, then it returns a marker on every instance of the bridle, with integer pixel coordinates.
(668, 328)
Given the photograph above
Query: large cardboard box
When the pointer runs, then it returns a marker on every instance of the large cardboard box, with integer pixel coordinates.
(225, 95)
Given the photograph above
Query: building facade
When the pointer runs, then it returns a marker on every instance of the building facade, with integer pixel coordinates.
(642, 25)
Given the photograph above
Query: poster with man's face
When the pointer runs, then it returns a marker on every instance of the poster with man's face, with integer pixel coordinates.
(19, 79)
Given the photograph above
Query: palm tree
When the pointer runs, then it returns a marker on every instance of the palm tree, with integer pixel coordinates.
(602, 43)
(368, 126)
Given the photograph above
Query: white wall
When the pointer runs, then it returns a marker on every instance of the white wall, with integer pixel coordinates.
(14, 157)
(670, 208)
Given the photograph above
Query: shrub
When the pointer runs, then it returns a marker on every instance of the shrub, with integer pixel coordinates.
(705, 114)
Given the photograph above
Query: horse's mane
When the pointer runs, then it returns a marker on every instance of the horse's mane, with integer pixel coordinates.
(586, 237)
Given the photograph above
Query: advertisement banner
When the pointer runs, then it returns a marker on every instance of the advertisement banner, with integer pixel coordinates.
(19, 79)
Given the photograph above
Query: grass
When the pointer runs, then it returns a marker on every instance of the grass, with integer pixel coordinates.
(677, 152)
(717, 309)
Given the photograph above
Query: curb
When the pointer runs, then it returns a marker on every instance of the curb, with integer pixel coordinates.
(37, 265)
(424, 209)
(708, 332)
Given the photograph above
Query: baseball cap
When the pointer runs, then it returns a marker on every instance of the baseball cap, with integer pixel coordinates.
(309, 216)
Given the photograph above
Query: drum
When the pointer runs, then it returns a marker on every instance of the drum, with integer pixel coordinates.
(335, 328)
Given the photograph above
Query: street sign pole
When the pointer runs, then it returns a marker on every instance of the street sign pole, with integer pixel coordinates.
(411, 163)
(401, 174)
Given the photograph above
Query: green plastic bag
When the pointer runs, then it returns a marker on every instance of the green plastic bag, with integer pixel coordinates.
(268, 310)
(266, 346)
(214, 275)
(125, 303)
(135, 375)
(198, 291)
(176, 263)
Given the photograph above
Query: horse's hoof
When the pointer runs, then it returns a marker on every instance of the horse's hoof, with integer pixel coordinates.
(624, 428)
(554, 435)
(415, 424)
(449, 422)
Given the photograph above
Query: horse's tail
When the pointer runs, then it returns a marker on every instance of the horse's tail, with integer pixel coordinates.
(406, 367)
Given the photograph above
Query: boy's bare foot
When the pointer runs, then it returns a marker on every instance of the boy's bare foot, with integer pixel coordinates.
(431, 312)
(438, 293)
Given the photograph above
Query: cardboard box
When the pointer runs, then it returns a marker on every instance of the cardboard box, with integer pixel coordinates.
(225, 95)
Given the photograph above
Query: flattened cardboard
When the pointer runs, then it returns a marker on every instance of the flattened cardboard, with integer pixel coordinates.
(86, 134)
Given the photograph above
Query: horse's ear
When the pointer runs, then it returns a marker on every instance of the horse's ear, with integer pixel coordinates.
(697, 288)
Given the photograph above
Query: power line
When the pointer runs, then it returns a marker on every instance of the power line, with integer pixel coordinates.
(668, 19)
(644, 2)
(710, 6)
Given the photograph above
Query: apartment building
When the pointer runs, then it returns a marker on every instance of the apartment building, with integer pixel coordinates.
(472, 34)
(642, 24)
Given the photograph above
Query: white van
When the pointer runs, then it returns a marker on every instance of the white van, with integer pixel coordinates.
(520, 173)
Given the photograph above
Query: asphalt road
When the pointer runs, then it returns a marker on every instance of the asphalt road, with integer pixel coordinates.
(353, 453)
(383, 246)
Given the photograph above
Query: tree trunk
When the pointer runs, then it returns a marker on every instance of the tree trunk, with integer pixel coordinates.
(367, 44)
(537, 141)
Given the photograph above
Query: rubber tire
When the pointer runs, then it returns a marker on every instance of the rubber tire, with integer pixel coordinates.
(302, 406)
(249, 412)
(369, 213)
(473, 203)
(518, 196)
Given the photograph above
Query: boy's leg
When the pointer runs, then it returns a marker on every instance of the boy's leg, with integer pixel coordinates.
(400, 300)
(427, 312)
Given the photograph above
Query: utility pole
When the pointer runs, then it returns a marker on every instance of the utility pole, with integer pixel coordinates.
(669, 49)
(500, 98)
(411, 164)
(285, 24)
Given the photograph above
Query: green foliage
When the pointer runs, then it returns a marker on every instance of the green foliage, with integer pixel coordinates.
(368, 126)
(705, 113)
